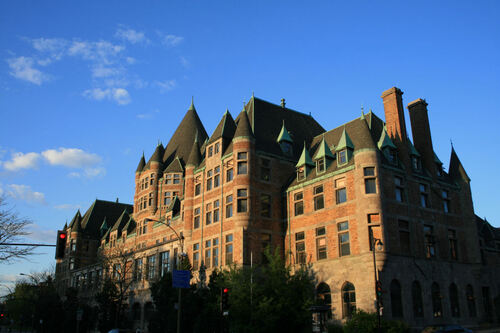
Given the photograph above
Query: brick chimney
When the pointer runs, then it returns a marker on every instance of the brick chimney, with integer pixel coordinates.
(422, 133)
(395, 121)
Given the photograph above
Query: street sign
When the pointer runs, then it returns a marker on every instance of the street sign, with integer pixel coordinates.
(180, 278)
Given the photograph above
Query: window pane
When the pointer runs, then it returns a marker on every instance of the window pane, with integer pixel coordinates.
(370, 171)
(370, 186)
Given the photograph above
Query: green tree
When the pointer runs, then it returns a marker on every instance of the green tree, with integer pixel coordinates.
(362, 321)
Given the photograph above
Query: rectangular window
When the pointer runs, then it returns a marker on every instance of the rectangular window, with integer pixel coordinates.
(216, 177)
(318, 198)
(370, 184)
(301, 173)
(144, 226)
(342, 156)
(196, 222)
(138, 269)
(210, 151)
(168, 179)
(216, 148)
(73, 245)
(446, 201)
(265, 169)
(167, 198)
(208, 214)
(197, 189)
(208, 253)
(229, 206)
(229, 249)
(265, 205)
(164, 262)
(404, 237)
(321, 252)
(216, 211)
(242, 163)
(215, 252)
(320, 165)
(340, 191)
(344, 242)
(399, 189)
(229, 175)
(242, 200)
(452, 239)
(424, 201)
(177, 179)
(300, 248)
(209, 180)
(196, 256)
(430, 250)
(152, 267)
(298, 203)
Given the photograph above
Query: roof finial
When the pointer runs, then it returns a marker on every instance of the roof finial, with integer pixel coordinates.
(362, 109)
(253, 95)
(451, 143)
(283, 103)
(191, 107)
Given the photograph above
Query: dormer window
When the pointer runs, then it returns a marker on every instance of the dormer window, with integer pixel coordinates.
(392, 155)
(320, 165)
(415, 162)
(301, 173)
(286, 148)
(439, 170)
(342, 156)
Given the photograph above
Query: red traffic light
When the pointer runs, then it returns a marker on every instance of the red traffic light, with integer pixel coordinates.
(62, 236)
(226, 290)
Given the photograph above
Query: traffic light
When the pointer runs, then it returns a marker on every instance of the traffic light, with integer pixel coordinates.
(225, 299)
(61, 244)
(379, 289)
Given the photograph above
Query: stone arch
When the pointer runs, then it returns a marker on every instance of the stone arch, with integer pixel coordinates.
(348, 299)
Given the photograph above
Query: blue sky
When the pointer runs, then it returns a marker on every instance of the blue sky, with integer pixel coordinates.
(86, 87)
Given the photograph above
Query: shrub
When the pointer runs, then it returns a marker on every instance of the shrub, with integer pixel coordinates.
(362, 321)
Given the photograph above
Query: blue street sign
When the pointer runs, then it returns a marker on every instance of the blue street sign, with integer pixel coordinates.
(180, 279)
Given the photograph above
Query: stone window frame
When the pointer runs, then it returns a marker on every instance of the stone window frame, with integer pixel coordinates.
(209, 182)
(342, 232)
(298, 203)
(399, 187)
(229, 249)
(404, 242)
(196, 217)
(216, 211)
(229, 206)
(320, 165)
(370, 179)
(319, 197)
(208, 213)
(445, 195)
(242, 163)
(423, 190)
(321, 243)
(300, 248)
(229, 171)
(340, 186)
(216, 178)
(342, 157)
(196, 256)
(242, 200)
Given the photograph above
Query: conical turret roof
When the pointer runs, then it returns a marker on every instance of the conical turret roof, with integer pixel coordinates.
(323, 150)
(224, 129)
(456, 169)
(158, 154)
(142, 163)
(345, 141)
(195, 156)
(243, 129)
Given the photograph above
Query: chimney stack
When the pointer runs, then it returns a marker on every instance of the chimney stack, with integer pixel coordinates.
(395, 122)
(422, 133)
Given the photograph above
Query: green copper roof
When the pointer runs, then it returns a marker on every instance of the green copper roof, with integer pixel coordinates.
(284, 135)
(323, 150)
(191, 107)
(385, 141)
(345, 141)
(413, 151)
(305, 158)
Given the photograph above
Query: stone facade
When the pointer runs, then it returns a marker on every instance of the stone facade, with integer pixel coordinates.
(274, 177)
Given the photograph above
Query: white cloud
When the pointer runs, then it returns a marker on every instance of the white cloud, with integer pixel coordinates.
(148, 115)
(130, 60)
(172, 40)
(102, 52)
(22, 161)
(131, 35)
(166, 85)
(38, 233)
(119, 95)
(88, 173)
(100, 71)
(55, 47)
(71, 157)
(22, 68)
(67, 207)
(184, 62)
(25, 193)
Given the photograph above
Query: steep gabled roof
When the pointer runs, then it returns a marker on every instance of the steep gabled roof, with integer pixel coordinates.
(456, 169)
(175, 166)
(385, 141)
(121, 222)
(323, 150)
(93, 218)
(194, 156)
(181, 142)
(266, 120)
(284, 135)
(305, 158)
(225, 129)
(156, 157)
(412, 149)
(141, 165)
(74, 219)
(344, 141)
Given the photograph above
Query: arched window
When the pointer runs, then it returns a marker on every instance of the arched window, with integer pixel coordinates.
(324, 296)
(396, 302)
(348, 300)
(455, 307)
(471, 301)
(437, 309)
(416, 297)
(136, 311)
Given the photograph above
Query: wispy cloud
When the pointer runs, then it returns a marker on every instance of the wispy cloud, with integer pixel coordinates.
(22, 161)
(25, 193)
(148, 115)
(67, 207)
(71, 157)
(166, 85)
(103, 52)
(119, 95)
(40, 234)
(184, 62)
(171, 40)
(131, 35)
(88, 173)
(23, 68)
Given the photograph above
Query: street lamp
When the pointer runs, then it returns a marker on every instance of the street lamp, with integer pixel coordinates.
(376, 244)
(180, 239)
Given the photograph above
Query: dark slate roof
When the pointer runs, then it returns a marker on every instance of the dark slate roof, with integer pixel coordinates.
(156, 157)
(194, 156)
(456, 169)
(487, 231)
(182, 141)
(175, 166)
(243, 128)
(121, 222)
(75, 218)
(225, 129)
(266, 120)
(141, 165)
(100, 209)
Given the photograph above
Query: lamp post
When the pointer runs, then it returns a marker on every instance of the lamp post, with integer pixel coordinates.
(180, 239)
(376, 244)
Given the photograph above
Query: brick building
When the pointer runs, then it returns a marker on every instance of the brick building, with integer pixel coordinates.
(274, 177)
